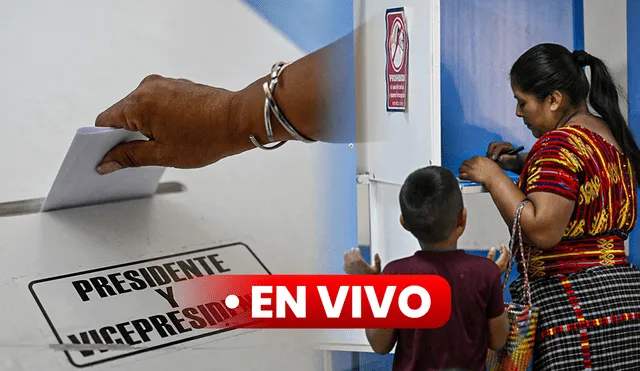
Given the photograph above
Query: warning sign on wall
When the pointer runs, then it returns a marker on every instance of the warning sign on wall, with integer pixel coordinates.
(118, 311)
(397, 49)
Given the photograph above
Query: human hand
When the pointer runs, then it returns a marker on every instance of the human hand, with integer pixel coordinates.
(497, 152)
(478, 169)
(189, 125)
(502, 260)
(355, 264)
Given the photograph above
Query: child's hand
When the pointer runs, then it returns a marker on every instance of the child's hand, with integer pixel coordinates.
(502, 260)
(355, 264)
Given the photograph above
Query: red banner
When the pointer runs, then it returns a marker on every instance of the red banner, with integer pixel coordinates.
(397, 49)
(323, 301)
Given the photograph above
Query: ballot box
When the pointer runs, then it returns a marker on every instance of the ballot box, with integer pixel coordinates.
(98, 286)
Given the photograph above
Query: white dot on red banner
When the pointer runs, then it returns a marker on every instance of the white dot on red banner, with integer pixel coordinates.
(232, 301)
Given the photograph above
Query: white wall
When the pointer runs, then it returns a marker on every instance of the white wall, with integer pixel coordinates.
(605, 36)
(364, 238)
(393, 144)
(485, 226)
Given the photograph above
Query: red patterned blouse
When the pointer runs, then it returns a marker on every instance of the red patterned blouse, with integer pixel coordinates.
(580, 165)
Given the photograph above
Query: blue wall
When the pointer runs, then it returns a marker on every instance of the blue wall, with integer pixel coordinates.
(633, 57)
(480, 41)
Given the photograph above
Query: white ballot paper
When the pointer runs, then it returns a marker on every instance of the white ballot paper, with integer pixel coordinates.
(78, 183)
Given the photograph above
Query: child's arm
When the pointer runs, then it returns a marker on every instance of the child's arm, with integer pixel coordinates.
(498, 331)
(498, 322)
(382, 340)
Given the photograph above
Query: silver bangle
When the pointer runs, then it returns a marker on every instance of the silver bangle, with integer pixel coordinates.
(269, 103)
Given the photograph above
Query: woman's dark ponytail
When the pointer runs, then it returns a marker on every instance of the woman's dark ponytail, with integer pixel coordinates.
(547, 67)
(603, 97)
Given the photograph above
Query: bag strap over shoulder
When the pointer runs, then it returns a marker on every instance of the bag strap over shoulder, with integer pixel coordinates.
(516, 237)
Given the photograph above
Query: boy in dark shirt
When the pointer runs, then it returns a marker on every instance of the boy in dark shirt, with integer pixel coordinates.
(433, 211)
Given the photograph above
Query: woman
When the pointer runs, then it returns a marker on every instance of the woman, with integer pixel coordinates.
(581, 177)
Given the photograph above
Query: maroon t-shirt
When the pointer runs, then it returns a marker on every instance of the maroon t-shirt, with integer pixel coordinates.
(476, 297)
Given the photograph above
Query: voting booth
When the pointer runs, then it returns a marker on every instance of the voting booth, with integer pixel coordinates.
(95, 286)
(456, 100)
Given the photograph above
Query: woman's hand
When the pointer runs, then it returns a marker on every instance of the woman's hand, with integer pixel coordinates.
(502, 260)
(497, 152)
(479, 169)
(189, 125)
(355, 264)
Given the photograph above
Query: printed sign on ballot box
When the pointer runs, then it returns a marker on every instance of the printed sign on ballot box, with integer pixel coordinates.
(397, 49)
(141, 306)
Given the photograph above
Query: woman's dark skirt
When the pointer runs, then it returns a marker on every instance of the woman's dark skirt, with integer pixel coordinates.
(589, 320)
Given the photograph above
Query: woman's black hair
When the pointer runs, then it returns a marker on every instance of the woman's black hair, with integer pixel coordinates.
(548, 67)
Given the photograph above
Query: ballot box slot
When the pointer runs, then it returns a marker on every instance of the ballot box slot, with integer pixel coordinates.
(33, 206)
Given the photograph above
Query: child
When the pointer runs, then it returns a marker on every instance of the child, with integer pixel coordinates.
(432, 210)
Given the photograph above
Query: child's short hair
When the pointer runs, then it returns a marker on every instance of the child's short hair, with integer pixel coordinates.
(430, 202)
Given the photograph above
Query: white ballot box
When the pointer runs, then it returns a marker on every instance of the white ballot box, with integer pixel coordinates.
(100, 285)
(96, 274)
(81, 277)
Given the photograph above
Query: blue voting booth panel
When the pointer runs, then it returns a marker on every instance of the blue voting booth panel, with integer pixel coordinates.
(480, 40)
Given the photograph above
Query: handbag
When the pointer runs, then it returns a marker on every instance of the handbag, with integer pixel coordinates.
(517, 353)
